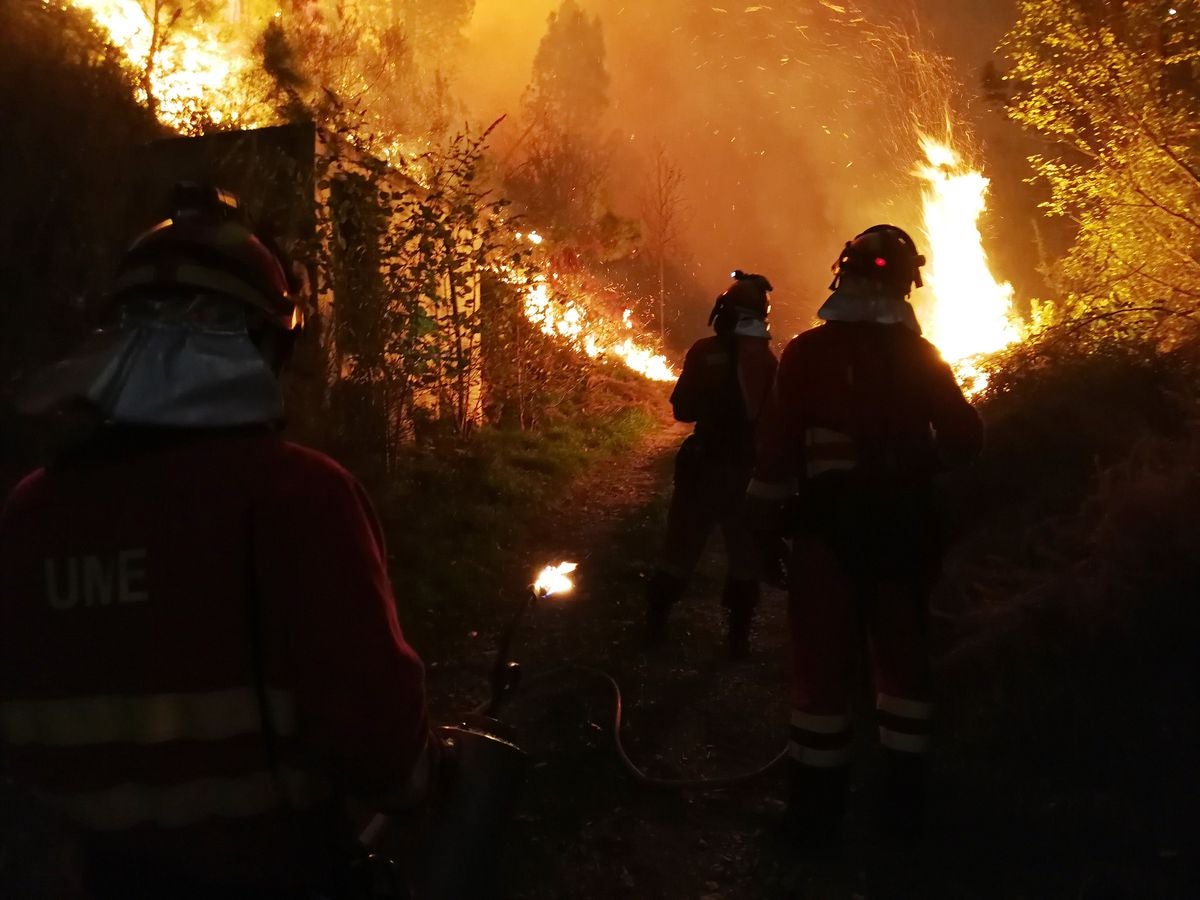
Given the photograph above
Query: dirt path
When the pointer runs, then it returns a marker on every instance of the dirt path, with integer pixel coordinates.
(586, 830)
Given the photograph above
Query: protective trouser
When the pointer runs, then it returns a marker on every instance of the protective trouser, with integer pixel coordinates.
(708, 495)
(827, 607)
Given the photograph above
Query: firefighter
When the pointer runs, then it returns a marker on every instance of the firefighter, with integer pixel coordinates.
(200, 659)
(723, 388)
(863, 416)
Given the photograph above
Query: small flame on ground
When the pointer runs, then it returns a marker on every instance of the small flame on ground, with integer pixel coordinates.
(554, 580)
(971, 312)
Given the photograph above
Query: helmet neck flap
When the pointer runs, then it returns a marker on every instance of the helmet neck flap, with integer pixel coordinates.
(743, 308)
(873, 276)
(196, 300)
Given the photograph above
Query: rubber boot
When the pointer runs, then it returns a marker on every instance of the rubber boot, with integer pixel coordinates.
(817, 799)
(902, 804)
(662, 593)
(740, 598)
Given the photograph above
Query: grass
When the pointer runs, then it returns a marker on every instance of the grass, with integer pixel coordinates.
(457, 515)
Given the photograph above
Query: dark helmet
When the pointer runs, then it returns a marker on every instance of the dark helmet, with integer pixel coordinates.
(883, 253)
(207, 244)
(747, 296)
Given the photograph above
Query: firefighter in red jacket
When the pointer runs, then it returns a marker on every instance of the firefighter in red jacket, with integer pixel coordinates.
(200, 658)
(864, 414)
(725, 383)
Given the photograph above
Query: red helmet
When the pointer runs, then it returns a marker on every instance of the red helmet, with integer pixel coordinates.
(207, 244)
(882, 253)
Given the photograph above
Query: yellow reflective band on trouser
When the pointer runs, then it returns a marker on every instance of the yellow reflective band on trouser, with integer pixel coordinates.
(903, 707)
(818, 759)
(903, 741)
(179, 805)
(820, 724)
(144, 719)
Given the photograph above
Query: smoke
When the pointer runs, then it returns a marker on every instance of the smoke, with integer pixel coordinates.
(793, 123)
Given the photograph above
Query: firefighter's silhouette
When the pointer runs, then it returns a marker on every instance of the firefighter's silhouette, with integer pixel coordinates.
(863, 416)
(199, 651)
(723, 389)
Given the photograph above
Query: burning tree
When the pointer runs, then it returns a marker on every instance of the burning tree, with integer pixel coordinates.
(1114, 88)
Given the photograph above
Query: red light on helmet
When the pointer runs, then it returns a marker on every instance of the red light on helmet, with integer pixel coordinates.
(880, 261)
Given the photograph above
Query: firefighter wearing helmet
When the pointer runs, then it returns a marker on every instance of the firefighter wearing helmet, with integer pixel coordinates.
(723, 389)
(864, 414)
(199, 652)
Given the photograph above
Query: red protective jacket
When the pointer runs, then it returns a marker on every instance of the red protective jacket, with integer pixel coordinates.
(725, 401)
(138, 587)
(878, 399)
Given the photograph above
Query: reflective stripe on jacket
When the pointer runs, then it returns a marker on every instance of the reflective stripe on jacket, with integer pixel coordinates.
(138, 588)
(875, 398)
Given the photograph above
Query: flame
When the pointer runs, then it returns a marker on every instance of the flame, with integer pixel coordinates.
(590, 332)
(198, 71)
(971, 313)
(554, 580)
(195, 70)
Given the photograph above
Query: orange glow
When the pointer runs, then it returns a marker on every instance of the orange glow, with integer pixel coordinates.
(590, 332)
(195, 71)
(198, 70)
(970, 313)
(555, 580)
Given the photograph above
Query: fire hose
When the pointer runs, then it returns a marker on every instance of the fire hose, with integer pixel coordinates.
(506, 677)
(467, 830)
(637, 772)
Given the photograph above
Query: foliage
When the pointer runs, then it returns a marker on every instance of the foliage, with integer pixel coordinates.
(561, 180)
(358, 74)
(1069, 598)
(65, 198)
(1114, 89)
(412, 243)
(1076, 427)
(432, 27)
(433, 280)
(478, 500)
(569, 86)
(456, 234)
